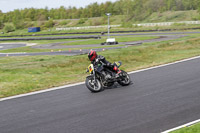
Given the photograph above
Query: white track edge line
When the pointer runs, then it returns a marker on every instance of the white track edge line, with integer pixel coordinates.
(184, 60)
(182, 126)
(42, 91)
(70, 85)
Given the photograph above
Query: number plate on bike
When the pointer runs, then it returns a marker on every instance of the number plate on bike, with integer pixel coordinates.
(90, 68)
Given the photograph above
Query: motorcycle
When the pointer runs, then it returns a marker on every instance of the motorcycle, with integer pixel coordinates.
(101, 77)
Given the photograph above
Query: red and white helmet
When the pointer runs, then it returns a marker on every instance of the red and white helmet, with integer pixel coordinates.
(92, 55)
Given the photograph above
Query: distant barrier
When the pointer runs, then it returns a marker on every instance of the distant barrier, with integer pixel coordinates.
(143, 24)
(168, 23)
(51, 38)
(86, 27)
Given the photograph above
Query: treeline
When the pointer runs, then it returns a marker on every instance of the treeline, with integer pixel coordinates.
(134, 9)
(140, 9)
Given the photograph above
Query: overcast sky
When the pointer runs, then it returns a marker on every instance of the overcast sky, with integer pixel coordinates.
(10, 5)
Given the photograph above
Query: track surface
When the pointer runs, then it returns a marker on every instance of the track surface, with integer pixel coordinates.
(77, 52)
(59, 46)
(159, 99)
(10, 46)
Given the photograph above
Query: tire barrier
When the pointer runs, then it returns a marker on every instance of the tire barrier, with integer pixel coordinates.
(50, 38)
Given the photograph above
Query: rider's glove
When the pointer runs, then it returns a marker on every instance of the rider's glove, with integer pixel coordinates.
(97, 60)
(109, 64)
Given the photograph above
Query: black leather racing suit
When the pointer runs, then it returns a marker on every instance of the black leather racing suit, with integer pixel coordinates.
(102, 58)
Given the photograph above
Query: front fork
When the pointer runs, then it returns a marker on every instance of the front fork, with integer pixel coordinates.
(94, 82)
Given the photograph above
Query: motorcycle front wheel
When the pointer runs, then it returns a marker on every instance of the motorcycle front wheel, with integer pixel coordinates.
(93, 85)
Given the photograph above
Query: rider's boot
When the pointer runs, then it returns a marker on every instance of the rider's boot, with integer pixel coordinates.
(117, 71)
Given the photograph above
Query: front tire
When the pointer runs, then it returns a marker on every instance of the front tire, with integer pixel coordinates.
(93, 85)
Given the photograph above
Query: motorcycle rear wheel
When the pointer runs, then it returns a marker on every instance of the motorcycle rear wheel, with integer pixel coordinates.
(93, 86)
(125, 79)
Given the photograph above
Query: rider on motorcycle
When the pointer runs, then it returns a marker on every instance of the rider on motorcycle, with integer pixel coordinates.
(94, 58)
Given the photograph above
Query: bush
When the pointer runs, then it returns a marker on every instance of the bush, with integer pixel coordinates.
(96, 22)
(1, 25)
(49, 24)
(64, 22)
(104, 20)
(127, 25)
(28, 24)
(82, 21)
(19, 24)
(179, 24)
(39, 24)
(8, 28)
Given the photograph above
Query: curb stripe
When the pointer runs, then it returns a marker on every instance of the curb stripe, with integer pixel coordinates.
(184, 60)
(182, 126)
(42, 91)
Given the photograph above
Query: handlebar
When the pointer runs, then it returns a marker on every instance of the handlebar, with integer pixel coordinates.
(102, 63)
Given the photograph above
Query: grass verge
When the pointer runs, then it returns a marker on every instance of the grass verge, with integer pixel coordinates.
(191, 129)
(31, 73)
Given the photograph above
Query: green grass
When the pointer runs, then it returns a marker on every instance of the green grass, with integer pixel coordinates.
(41, 41)
(31, 73)
(173, 16)
(191, 129)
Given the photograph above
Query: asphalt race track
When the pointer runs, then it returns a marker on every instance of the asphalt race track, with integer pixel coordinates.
(10, 46)
(68, 53)
(160, 99)
(162, 37)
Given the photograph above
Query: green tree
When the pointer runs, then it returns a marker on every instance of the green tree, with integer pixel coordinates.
(171, 5)
(18, 20)
(132, 9)
(1, 24)
(199, 9)
(49, 24)
(8, 28)
(1, 19)
(62, 12)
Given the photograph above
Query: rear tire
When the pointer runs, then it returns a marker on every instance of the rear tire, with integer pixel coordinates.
(93, 86)
(125, 79)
